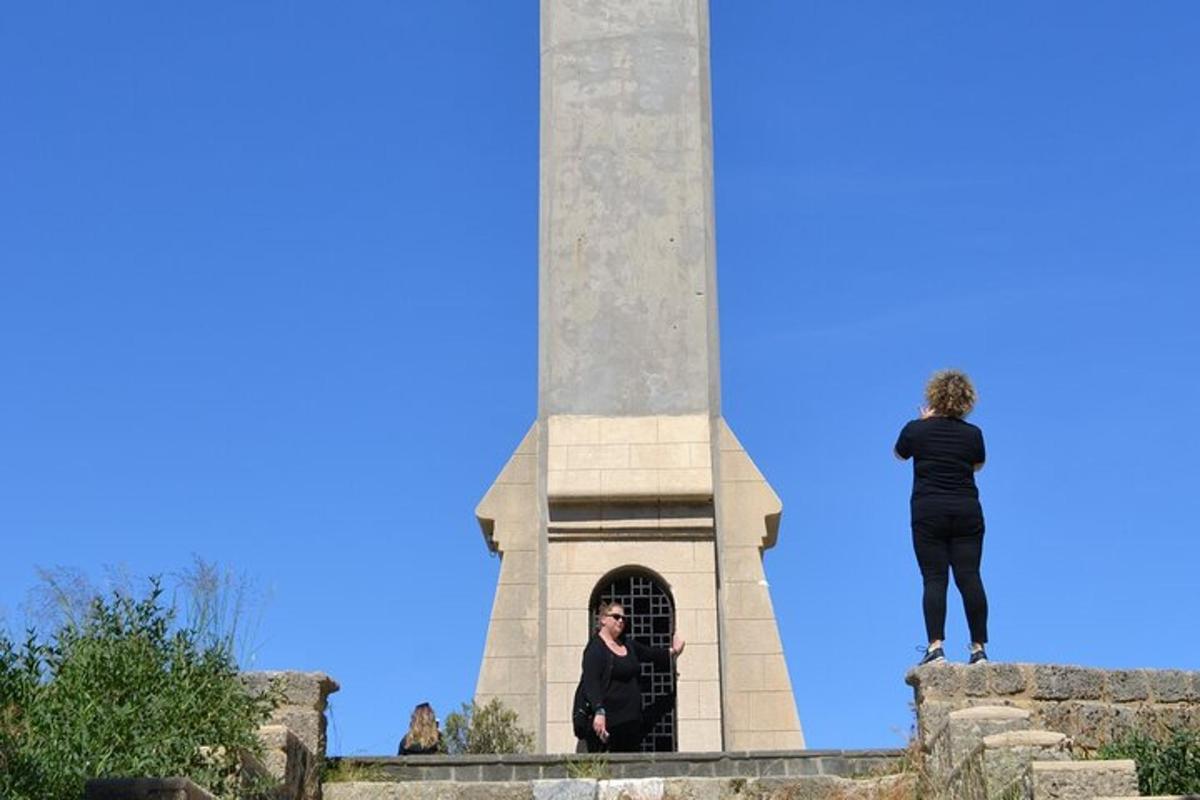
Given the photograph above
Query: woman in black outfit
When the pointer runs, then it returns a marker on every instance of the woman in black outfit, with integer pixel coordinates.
(612, 666)
(947, 519)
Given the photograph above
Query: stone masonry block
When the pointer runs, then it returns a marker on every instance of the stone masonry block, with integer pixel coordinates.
(1125, 685)
(308, 725)
(1172, 685)
(565, 430)
(631, 789)
(306, 689)
(496, 790)
(685, 482)
(660, 456)
(1083, 780)
(628, 430)
(564, 790)
(936, 681)
(689, 428)
(968, 727)
(975, 683)
(1053, 682)
(1005, 679)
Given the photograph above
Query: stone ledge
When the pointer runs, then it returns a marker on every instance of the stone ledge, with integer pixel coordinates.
(737, 764)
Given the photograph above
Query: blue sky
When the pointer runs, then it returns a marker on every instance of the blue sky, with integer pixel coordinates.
(268, 296)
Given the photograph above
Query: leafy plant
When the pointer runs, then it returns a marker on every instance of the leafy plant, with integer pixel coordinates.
(490, 728)
(121, 690)
(1167, 764)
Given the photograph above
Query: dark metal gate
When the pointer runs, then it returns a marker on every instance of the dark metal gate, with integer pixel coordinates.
(651, 611)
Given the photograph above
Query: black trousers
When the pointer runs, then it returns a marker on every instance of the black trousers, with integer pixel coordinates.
(951, 542)
(623, 738)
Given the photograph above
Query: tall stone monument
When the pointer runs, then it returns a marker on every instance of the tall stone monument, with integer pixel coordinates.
(630, 484)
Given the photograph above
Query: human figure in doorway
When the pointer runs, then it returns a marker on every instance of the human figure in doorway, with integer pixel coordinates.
(947, 518)
(611, 669)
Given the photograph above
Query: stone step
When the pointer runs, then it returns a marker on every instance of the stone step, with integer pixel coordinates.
(1082, 780)
(967, 727)
(814, 787)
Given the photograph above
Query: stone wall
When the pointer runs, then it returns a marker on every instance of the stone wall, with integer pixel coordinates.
(294, 738)
(1092, 706)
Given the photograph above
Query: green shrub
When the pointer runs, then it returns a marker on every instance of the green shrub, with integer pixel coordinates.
(1167, 764)
(490, 728)
(122, 691)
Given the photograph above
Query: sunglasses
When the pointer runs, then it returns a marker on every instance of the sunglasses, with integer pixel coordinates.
(619, 617)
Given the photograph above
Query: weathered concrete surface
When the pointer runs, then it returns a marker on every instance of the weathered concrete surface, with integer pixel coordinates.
(627, 258)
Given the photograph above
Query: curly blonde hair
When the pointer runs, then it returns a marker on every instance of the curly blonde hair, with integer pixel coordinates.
(422, 728)
(949, 393)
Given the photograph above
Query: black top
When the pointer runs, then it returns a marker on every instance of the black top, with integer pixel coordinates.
(944, 451)
(622, 701)
(415, 749)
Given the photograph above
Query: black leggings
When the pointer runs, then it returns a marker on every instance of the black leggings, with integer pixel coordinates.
(941, 543)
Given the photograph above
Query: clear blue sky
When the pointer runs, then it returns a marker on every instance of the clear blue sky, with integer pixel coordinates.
(268, 295)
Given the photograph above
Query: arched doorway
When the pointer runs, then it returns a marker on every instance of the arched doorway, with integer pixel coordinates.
(651, 610)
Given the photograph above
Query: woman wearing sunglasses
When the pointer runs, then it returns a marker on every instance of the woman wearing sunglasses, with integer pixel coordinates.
(612, 665)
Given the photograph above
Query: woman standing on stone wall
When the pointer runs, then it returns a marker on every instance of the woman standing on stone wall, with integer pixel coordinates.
(611, 672)
(947, 519)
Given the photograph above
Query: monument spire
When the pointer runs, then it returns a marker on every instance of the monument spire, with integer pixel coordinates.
(628, 312)
(630, 485)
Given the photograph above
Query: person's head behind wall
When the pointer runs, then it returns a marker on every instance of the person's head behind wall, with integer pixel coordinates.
(950, 393)
(422, 727)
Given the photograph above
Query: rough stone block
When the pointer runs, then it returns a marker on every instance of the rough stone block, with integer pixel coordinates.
(1126, 685)
(497, 790)
(306, 689)
(937, 681)
(967, 728)
(1053, 682)
(931, 717)
(567, 789)
(1083, 780)
(631, 789)
(693, 788)
(975, 683)
(1005, 679)
(1171, 685)
(308, 725)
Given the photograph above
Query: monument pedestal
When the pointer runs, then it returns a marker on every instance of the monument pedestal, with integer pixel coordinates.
(663, 499)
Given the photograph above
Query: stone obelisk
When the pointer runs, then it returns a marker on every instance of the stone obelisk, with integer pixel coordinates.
(630, 469)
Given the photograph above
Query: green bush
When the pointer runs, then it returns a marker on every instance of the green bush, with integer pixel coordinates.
(490, 728)
(1167, 764)
(122, 690)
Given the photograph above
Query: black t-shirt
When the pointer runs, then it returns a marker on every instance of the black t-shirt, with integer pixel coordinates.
(944, 451)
